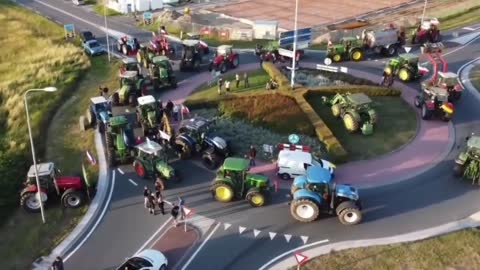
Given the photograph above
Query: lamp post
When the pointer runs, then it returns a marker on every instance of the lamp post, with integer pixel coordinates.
(106, 28)
(39, 193)
(294, 57)
(424, 9)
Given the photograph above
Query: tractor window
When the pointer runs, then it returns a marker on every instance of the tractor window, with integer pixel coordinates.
(320, 188)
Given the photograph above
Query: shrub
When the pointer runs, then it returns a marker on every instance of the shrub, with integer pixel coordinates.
(340, 76)
(368, 90)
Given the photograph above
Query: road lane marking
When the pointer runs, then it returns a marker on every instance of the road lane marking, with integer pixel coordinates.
(120, 171)
(469, 28)
(133, 182)
(154, 235)
(200, 247)
(265, 266)
(97, 222)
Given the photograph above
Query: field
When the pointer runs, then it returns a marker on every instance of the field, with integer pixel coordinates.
(458, 250)
(397, 126)
(460, 19)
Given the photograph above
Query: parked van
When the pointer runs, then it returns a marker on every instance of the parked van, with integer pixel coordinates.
(294, 162)
(78, 2)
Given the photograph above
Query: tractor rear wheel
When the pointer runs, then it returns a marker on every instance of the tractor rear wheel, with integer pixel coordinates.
(30, 203)
(304, 210)
(184, 148)
(426, 113)
(109, 140)
(349, 213)
(111, 157)
(350, 123)
(115, 99)
(336, 110)
(140, 169)
(458, 170)
(223, 192)
(392, 50)
(256, 198)
(132, 100)
(404, 75)
(72, 198)
(356, 55)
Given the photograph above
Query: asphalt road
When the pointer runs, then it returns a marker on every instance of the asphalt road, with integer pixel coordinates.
(427, 200)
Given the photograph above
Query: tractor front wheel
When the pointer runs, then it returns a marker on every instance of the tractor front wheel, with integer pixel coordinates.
(348, 213)
(392, 50)
(72, 198)
(304, 210)
(184, 148)
(256, 198)
(426, 113)
(210, 159)
(458, 170)
(29, 201)
(350, 123)
(140, 169)
(356, 55)
(337, 58)
(111, 157)
(223, 192)
(336, 110)
(404, 75)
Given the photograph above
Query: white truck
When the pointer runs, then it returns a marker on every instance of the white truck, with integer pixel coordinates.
(294, 161)
(386, 41)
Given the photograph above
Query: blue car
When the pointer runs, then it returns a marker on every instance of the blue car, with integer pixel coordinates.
(92, 47)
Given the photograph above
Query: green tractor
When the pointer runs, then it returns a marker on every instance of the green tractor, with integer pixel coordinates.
(348, 48)
(234, 181)
(161, 72)
(355, 110)
(131, 87)
(149, 115)
(467, 164)
(120, 141)
(405, 66)
(145, 56)
(152, 159)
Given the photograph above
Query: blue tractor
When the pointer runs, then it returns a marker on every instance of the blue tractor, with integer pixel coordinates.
(317, 192)
(98, 114)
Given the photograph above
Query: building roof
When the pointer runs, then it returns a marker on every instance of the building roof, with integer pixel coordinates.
(146, 100)
(42, 168)
(317, 174)
(98, 100)
(236, 164)
(149, 147)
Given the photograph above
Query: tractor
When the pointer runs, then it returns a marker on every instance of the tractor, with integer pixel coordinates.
(145, 56)
(427, 31)
(131, 87)
(271, 53)
(355, 110)
(467, 164)
(151, 159)
(224, 59)
(405, 66)
(149, 115)
(127, 45)
(433, 101)
(120, 141)
(161, 72)
(98, 114)
(195, 54)
(195, 137)
(70, 189)
(160, 46)
(234, 182)
(317, 191)
(130, 64)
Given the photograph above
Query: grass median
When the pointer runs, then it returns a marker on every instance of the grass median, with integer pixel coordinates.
(460, 19)
(475, 76)
(458, 250)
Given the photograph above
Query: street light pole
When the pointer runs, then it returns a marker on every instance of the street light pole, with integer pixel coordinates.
(39, 193)
(424, 9)
(106, 28)
(294, 56)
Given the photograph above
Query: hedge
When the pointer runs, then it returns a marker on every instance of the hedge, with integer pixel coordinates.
(373, 91)
(277, 75)
(344, 77)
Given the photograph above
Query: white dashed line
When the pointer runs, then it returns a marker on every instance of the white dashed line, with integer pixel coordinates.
(133, 182)
(120, 171)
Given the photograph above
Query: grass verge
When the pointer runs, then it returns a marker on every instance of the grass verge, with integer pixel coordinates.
(23, 237)
(387, 136)
(458, 250)
(460, 19)
(100, 10)
(475, 76)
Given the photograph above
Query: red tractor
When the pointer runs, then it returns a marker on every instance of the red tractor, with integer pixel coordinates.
(224, 59)
(160, 46)
(70, 189)
(426, 31)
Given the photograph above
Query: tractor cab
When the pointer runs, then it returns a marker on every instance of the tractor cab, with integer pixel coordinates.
(151, 150)
(224, 50)
(196, 127)
(128, 78)
(449, 81)
(473, 146)
(408, 58)
(46, 174)
(148, 103)
(359, 100)
(163, 64)
(100, 108)
(317, 180)
(130, 64)
(196, 45)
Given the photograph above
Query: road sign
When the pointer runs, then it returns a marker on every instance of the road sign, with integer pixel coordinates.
(303, 35)
(69, 30)
(293, 139)
(188, 212)
(407, 49)
(301, 259)
(303, 45)
(285, 52)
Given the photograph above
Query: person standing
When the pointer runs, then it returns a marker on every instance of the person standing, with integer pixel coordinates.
(252, 155)
(245, 80)
(237, 80)
(181, 204)
(261, 61)
(220, 84)
(160, 202)
(57, 264)
(227, 86)
(146, 193)
(169, 108)
(151, 203)
(174, 213)
(159, 184)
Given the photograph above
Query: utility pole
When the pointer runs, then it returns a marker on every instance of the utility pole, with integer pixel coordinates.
(106, 28)
(424, 9)
(294, 57)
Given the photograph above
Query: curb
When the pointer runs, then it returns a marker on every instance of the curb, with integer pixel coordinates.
(64, 249)
(469, 222)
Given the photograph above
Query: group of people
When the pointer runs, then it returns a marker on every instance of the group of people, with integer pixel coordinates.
(154, 199)
(226, 83)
